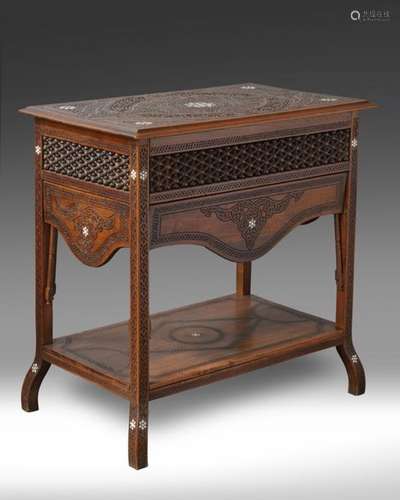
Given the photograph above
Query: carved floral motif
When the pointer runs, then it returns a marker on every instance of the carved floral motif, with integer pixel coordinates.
(250, 216)
(81, 219)
(89, 224)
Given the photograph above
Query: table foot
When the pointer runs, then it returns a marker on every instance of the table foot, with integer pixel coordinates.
(354, 368)
(32, 382)
(137, 441)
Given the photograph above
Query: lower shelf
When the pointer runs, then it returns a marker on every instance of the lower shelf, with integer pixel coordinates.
(197, 344)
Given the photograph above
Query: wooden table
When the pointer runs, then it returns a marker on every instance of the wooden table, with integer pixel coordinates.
(231, 168)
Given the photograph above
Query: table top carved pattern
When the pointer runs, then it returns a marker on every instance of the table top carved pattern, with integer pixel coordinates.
(130, 115)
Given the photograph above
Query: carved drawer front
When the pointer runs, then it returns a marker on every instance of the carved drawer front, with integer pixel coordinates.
(93, 227)
(244, 225)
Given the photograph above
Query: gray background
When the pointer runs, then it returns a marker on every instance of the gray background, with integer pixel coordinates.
(288, 431)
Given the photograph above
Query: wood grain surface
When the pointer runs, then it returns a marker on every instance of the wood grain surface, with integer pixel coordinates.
(198, 343)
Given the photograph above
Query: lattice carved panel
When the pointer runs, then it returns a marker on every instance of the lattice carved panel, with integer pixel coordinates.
(201, 167)
(86, 163)
(254, 159)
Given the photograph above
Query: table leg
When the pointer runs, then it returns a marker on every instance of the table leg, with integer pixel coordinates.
(45, 265)
(139, 302)
(243, 278)
(345, 238)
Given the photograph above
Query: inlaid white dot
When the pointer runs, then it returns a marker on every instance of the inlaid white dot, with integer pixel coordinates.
(38, 150)
(354, 143)
(143, 123)
(35, 368)
(328, 99)
(67, 107)
(85, 231)
(248, 87)
(200, 104)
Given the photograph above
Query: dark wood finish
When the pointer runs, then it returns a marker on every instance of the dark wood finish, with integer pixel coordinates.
(243, 278)
(91, 163)
(86, 163)
(169, 113)
(45, 254)
(246, 160)
(207, 341)
(233, 169)
(53, 355)
(345, 239)
(84, 187)
(248, 133)
(50, 289)
(249, 183)
(139, 322)
(94, 227)
(239, 137)
(244, 226)
(85, 136)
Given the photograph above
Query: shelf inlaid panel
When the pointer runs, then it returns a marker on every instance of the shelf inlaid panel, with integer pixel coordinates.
(194, 343)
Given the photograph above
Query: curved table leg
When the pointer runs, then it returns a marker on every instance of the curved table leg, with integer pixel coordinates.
(46, 256)
(354, 368)
(30, 387)
(45, 268)
(345, 238)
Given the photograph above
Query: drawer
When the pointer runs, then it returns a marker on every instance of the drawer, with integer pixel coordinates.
(93, 227)
(244, 225)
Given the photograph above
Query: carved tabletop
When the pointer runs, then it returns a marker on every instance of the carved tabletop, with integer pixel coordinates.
(161, 113)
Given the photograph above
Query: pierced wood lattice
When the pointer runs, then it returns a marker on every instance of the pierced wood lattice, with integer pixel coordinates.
(86, 163)
(200, 167)
(241, 161)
